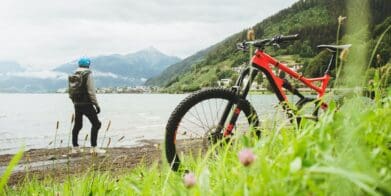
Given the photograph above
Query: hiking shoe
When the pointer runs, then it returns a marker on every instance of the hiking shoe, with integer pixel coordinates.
(76, 150)
(96, 150)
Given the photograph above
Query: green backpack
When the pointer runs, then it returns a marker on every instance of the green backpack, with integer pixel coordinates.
(77, 86)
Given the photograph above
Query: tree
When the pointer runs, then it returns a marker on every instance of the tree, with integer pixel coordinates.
(234, 77)
(317, 65)
(259, 79)
(225, 74)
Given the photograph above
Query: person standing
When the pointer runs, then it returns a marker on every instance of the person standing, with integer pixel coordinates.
(82, 93)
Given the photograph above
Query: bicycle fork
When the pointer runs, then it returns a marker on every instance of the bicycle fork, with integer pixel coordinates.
(252, 73)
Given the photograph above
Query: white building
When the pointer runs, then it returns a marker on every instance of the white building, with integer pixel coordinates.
(224, 82)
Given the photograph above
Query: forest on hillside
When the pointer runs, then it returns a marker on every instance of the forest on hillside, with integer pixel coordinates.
(316, 23)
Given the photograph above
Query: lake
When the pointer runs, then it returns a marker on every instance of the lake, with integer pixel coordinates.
(29, 120)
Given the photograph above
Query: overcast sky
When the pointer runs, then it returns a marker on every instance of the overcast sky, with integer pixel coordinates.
(47, 33)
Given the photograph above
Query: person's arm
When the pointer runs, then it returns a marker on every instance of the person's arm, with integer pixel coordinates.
(91, 90)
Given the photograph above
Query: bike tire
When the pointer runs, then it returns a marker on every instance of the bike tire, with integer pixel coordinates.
(191, 102)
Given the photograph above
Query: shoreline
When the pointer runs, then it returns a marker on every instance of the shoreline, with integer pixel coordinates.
(57, 164)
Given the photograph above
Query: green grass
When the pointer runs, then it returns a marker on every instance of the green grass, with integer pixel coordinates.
(7, 173)
(346, 153)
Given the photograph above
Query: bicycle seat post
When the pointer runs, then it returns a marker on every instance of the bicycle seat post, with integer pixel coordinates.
(332, 61)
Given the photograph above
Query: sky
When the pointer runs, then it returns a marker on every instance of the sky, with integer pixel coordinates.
(43, 34)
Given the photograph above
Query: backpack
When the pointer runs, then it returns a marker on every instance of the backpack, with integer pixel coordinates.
(77, 85)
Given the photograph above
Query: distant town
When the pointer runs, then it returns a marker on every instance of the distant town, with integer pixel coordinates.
(225, 82)
(119, 90)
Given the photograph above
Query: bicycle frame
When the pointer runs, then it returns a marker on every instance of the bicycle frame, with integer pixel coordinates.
(263, 62)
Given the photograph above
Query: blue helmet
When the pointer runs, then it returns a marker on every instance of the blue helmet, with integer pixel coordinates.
(84, 62)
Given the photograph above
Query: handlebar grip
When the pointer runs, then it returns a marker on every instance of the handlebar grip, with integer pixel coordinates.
(261, 42)
(289, 38)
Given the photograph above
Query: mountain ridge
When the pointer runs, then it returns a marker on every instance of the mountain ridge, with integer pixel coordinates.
(150, 56)
(111, 70)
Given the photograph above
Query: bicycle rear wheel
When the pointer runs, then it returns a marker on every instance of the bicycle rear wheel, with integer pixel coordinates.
(193, 125)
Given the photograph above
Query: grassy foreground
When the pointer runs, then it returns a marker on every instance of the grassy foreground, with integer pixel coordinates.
(347, 153)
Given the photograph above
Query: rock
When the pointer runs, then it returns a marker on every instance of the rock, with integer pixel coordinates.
(52, 158)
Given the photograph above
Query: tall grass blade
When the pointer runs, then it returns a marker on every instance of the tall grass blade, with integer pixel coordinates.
(14, 161)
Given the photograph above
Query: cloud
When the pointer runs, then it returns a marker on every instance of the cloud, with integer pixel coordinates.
(98, 74)
(46, 33)
(106, 74)
(39, 75)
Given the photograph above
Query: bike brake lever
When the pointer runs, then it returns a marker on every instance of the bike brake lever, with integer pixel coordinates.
(242, 46)
(276, 45)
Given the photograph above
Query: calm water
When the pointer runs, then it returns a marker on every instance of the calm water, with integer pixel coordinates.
(30, 119)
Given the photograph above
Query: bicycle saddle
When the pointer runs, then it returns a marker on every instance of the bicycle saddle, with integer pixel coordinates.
(334, 48)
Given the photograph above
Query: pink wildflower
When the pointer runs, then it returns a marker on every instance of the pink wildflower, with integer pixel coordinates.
(246, 157)
(189, 180)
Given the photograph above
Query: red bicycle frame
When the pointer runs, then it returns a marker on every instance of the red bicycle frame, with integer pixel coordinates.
(262, 61)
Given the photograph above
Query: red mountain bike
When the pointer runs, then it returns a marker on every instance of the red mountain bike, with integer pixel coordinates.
(209, 115)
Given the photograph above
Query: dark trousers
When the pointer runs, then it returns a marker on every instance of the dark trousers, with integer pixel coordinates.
(89, 111)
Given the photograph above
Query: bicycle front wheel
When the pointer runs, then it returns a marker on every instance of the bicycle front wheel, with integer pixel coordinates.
(194, 124)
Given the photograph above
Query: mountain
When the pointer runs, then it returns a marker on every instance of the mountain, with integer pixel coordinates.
(142, 64)
(31, 81)
(10, 66)
(314, 20)
(172, 73)
(109, 71)
(125, 70)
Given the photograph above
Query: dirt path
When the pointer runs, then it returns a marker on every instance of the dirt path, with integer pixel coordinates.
(57, 164)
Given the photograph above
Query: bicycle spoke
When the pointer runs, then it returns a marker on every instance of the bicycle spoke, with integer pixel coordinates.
(205, 116)
(217, 117)
(189, 130)
(193, 123)
(217, 111)
(198, 118)
(211, 113)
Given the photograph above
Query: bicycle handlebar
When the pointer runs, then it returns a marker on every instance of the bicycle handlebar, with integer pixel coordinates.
(266, 42)
(283, 38)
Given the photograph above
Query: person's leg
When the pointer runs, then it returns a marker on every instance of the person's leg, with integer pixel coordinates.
(78, 125)
(96, 124)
